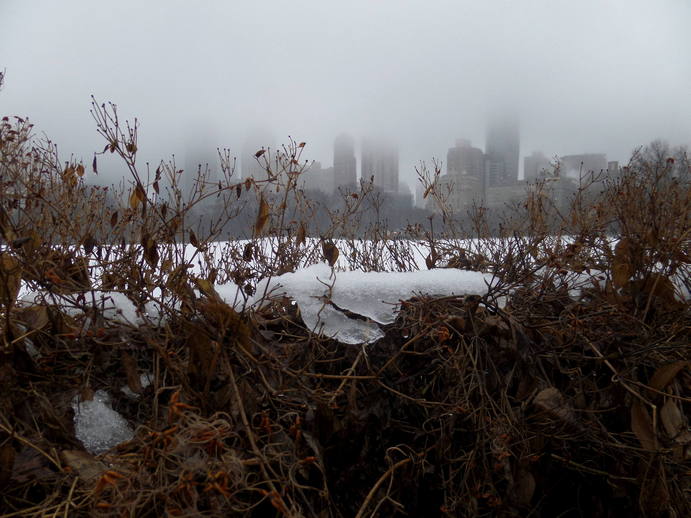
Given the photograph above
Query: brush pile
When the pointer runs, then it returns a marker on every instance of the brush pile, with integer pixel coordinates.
(563, 390)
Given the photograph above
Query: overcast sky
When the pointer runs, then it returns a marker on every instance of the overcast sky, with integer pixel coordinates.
(585, 76)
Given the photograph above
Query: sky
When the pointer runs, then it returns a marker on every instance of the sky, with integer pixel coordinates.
(589, 76)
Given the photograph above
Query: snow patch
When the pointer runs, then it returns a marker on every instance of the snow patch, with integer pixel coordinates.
(322, 294)
(97, 425)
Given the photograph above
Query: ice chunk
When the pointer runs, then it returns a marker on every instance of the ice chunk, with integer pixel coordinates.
(97, 425)
(321, 294)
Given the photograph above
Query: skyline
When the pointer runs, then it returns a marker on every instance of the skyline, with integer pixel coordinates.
(601, 78)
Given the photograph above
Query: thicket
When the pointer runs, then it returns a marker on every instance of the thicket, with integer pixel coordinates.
(544, 397)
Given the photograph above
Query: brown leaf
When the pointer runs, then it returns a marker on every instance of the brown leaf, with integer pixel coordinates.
(302, 144)
(10, 279)
(301, 236)
(84, 464)
(193, 239)
(134, 199)
(114, 218)
(672, 419)
(150, 250)
(552, 401)
(140, 193)
(7, 455)
(262, 216)
(93, 165)
(525, 487)
(133, 379)
(665, 374)
(206, 287)
(247, 252)
(642, 426)
(80, 170)
(621, 273)
(330, 252)
(260, 153)
(34, 317)
(89, 244)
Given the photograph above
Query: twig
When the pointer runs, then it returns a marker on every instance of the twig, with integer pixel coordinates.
(378, 483)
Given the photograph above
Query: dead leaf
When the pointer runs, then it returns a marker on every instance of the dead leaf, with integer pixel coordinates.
(133, 378)
(7, 455)
(622, 264)
(642, 426)
(140, 193)
(262, 216)
(34, 317)
(672, 419)
(193, 239)
(301, 236)
(150, 249)
(89, 243)
(665, 374)
(525, 487)
(134, 199)
(10, 279)
(247, 252)
(330, 252)
(552, 401)
(621, 273)
(260, 153)
(80, 170)
(206, 287)
(84, 464)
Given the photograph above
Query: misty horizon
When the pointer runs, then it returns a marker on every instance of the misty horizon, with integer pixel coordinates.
(582, 78)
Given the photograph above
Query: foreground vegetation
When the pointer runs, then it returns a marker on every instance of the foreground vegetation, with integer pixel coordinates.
(565, 390)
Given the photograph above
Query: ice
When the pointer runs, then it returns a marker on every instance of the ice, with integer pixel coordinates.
(321, 292)
(97, 425)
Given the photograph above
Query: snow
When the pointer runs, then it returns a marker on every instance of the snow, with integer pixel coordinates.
(320, 291)
(97, 425)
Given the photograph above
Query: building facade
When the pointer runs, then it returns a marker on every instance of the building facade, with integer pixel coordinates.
(502, 152)
(380, 161)
(464, 159)
(345, 163)
(535, 166)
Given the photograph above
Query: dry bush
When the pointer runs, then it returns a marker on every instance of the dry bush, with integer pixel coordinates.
(545, 397)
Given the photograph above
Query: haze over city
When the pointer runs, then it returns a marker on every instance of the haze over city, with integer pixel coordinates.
(583, 77)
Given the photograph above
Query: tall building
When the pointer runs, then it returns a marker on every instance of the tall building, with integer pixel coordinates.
(200, 157)
(502, 151)
(535, 165)
(317, 178)
(380, 160)
(464, 159)
(345, 163)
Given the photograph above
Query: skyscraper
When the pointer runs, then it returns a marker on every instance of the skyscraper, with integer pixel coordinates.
(534, 166)
(502, 149)
(464, 159)
(380, 160)
(345, 163)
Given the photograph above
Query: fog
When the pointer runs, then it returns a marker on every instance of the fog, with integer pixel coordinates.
(587, 76)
